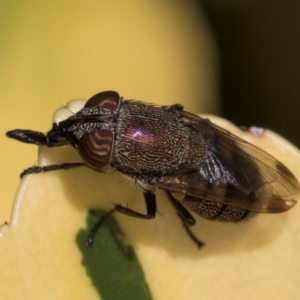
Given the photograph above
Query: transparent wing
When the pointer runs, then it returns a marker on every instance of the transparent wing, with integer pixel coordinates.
(234, 172)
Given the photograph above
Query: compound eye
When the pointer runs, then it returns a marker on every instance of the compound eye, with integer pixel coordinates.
(109, 100)
(95, 148)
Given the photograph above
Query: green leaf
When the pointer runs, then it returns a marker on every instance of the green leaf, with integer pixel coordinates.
(111, 263)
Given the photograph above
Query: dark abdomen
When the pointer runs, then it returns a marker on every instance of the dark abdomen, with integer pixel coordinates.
(216, 211)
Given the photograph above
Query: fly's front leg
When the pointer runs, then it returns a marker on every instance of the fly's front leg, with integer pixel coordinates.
(64, 166)
(150, 201)
(185, 217)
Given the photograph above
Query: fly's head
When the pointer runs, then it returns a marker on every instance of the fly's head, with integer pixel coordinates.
(90, 131)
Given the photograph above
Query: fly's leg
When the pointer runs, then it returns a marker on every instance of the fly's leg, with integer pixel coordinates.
(150, 201)
(174, 107)
(190, 234)
(177, 106)
(186, 218)
(97, 225)
(64, 166)
(182, 212)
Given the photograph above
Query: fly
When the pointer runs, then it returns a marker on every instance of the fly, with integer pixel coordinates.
(221, 176)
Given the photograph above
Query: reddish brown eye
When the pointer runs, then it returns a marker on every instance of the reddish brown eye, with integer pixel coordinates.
(95, 148)
(108, 100)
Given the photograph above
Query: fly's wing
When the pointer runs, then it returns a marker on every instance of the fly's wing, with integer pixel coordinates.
(233, 172)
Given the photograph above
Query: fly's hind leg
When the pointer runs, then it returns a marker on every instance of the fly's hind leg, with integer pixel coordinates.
(150, 201)
(185, 217)
(190, 234)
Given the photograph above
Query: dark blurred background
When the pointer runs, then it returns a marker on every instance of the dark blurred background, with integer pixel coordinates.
(259, 47)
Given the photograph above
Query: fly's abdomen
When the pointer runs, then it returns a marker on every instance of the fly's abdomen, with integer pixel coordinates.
(216, 211)
(206, 205)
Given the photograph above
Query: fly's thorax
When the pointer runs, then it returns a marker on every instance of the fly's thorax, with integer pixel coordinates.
(148, 139)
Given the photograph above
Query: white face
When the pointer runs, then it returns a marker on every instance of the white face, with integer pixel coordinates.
(67, 111)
